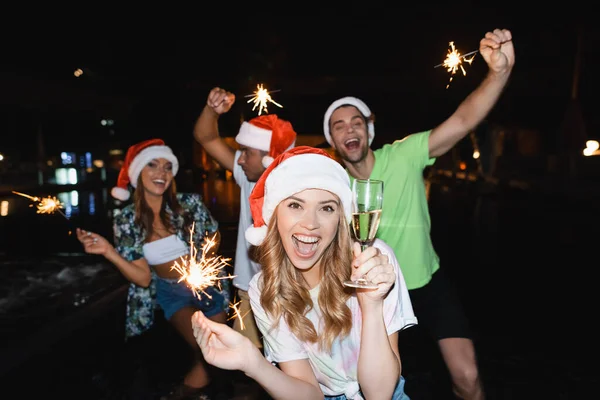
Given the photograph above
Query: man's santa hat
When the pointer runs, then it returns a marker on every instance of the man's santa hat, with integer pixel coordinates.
(298, 169)
(267, 133)
(349, 101)
(137, 157)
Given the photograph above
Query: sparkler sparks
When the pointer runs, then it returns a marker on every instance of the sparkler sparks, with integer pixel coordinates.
(454, 60)
(46, 205)
(204, 271)
(261, 97)
(237, 314)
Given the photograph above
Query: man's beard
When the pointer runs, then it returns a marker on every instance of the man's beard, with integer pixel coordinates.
(356, 157)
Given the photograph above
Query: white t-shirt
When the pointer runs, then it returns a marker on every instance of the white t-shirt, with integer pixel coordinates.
(243, 268)
(335, 371)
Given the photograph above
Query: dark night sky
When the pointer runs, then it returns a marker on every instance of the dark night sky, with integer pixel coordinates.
(154, 79)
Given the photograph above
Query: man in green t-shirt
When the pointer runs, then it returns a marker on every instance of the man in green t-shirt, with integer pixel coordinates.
(405, 223)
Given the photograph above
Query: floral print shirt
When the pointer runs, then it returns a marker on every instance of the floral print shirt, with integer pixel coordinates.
(129, 241)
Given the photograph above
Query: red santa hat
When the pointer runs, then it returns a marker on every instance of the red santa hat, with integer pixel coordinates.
(349, 101)
(137, 157)
(298, 169)
(267, 133)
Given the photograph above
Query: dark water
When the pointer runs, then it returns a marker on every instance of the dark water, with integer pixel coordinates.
(43, 269)
(524, 262)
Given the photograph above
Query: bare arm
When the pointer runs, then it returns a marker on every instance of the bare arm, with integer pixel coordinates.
(497, 50)
(206, 128)
(137, 271)
(295, 380)
(379, 365)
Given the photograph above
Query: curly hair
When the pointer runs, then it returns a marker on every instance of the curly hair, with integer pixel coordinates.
(285, 294)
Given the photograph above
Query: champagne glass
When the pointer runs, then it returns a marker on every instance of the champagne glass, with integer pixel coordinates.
(367, 203)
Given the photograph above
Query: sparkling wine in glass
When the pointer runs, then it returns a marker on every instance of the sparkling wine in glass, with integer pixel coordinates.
(367, 203)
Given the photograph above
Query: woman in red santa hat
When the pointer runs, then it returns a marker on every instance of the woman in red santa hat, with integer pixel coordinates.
(328, 341)
(149, 236)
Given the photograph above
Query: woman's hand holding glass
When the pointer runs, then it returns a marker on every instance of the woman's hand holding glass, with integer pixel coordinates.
(367, 204)
(375, 267)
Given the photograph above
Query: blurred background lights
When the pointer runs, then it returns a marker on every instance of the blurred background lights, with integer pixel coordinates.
(591, 148)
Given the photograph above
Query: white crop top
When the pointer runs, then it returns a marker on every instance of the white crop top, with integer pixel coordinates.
(163, 250)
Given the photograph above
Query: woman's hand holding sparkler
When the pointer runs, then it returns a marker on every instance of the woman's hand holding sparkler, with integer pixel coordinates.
(497, 50)
(223, 347)
(93, 243)
(375, 267)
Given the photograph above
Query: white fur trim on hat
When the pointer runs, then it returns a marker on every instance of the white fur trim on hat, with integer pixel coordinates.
(267, 160)
(120, 194)
(348, 101)
(255, 235)
(298, 173)
(253, 136)
(145, 156)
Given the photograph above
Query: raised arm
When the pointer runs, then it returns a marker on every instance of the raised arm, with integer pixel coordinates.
(227, 349)
(206, 129)
(497, 50)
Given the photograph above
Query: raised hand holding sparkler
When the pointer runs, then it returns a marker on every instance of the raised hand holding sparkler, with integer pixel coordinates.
(496, 48)
(220, 100)
(205, 271)
(261, 97)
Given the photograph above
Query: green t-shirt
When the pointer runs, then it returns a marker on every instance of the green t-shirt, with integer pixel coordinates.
(405, 223)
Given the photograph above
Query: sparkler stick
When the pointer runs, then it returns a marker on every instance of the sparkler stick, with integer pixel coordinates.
(201, 272)
(46, 205)
(261, 97)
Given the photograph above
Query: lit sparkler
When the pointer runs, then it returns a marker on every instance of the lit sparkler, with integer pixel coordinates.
(46, 205)
(454, 60)
(261, 97)
(204, 271)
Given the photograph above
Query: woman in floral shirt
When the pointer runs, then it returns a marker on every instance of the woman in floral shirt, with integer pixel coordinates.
(150, 235)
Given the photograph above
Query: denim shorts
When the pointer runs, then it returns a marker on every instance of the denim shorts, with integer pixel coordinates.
(398, 393)
(172, 296)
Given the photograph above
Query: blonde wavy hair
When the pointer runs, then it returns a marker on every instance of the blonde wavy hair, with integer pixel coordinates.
(286, 295)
